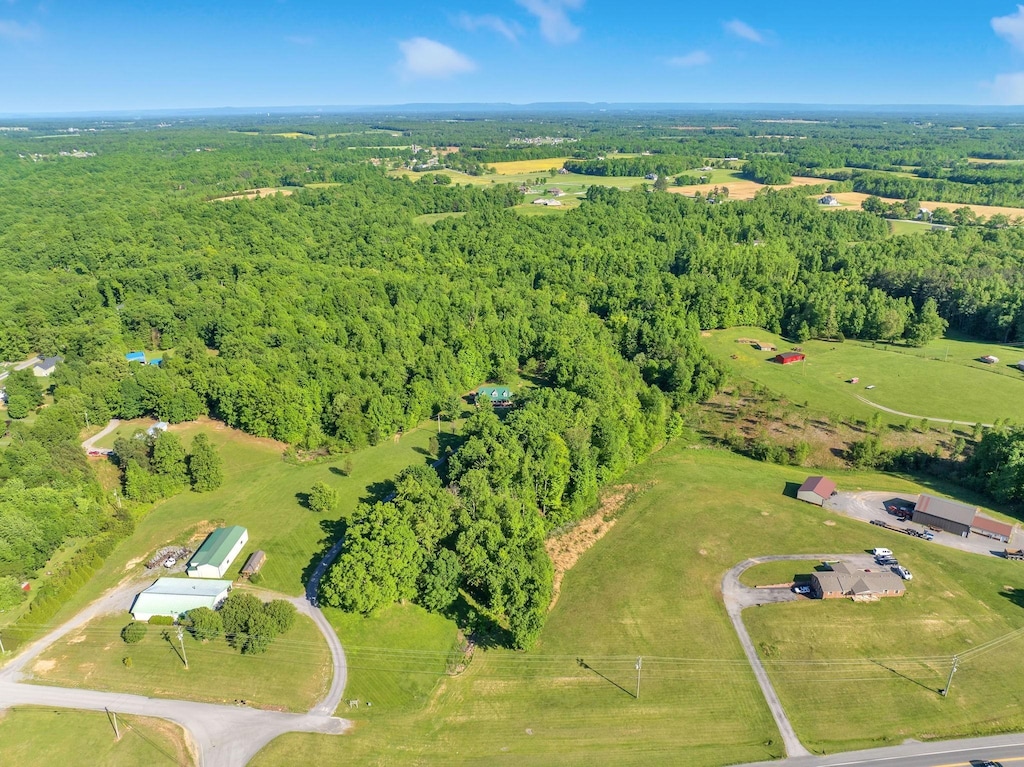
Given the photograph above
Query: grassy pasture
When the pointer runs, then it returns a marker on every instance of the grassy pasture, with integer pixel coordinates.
(650, 587)
(42, 737)
(292, 675)
(941, 380)
(431, 218)
(568, 182)
(740, 188)
(252, 194)
(294, 134)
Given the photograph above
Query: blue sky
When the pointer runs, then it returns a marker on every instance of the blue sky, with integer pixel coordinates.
(58, 55)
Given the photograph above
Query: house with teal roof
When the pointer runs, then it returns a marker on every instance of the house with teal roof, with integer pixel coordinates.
(500, 396)
(218, 551)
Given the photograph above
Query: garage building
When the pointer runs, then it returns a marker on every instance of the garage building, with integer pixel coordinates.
(175, 596)
(816, 490)
(944, 514)
(992, 529)
(217, 553)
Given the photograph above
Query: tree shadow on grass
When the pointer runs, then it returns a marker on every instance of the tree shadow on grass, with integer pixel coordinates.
(337, 472)
(303, 499)
(378, 492)
(334, 531)
(481, 629)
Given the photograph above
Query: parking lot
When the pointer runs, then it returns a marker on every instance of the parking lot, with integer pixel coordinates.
(871, 505)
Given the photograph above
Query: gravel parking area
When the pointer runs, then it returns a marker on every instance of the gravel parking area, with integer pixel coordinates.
(867, 506)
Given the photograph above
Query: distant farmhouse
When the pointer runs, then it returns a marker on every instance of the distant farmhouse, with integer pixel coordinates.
(136, 357)
(844, 580)
(787, 358)
(218, 551)
(829, 200)
(45, 367)
(500, 396)
(175, 596)
(816, 490)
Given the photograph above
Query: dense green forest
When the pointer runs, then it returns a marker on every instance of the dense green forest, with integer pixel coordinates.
(331, 319)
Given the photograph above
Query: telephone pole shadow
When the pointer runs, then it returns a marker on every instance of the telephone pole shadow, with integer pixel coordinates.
(584, 665)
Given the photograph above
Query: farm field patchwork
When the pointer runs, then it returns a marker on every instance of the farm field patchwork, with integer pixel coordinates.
(650, 587)
(941, 380)
(741, 188)
(292, 675)
(856, 199)
(515, 167)
(252, 194)
(42, 737)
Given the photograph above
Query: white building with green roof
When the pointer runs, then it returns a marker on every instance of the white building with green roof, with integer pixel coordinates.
(175, 596)
(217, 553)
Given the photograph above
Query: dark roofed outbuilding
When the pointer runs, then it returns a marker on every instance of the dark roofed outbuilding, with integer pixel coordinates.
(253, 563)
(945, 514)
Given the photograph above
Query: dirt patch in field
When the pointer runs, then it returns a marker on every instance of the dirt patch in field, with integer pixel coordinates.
(856, 199)
(44, 666)
(566, 549)
(252, 194)
(78, 639)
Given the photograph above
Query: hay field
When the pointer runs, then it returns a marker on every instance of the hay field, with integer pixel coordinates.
(856, 199)
(514, 167)
(294, 134)
(742, 189)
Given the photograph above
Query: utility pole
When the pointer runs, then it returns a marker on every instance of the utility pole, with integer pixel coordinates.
(639, 666)
(952, 670)
(181, 641)
(438, 421)
(2, 650)
(113, 714)
(87, 419)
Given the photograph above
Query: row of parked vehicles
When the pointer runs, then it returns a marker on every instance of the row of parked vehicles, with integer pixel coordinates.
(885, 558)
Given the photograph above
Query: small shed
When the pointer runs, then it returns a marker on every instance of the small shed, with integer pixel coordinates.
(787, 358)
(999, 531)
(990, 359)
(1020, 365)
(816, 490)
(139, 357)
(218, 551)
(945, 514)
(254, 563)
(765, 347)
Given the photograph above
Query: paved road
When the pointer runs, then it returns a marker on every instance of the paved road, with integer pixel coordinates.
(1008, 749)
(883, 408)
(222, 736)
(88, 444)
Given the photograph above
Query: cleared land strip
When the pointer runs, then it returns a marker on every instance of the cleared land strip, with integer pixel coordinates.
(919, 417)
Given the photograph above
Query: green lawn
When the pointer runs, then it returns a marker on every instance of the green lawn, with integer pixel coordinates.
(650, 587)
(885, 662)
(430, 218)
(909, 227)
(941, 380)
(125, 429)
(567, 182)
(293, 674)
(42, 737)
(773, 573)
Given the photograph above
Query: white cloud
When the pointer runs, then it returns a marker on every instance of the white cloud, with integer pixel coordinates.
(1011, 27)
(1007, 88)
(553, 16)
(743, 30)
(692, 59)
(300, 39)
(426, 58)
(14, 30)
(509, 30)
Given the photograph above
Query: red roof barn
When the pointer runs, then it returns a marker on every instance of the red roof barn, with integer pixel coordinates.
(786, 357)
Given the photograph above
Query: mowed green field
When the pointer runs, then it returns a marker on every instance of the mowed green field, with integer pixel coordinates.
(265, 494)
(43, 737)
(293, 675)
(941, 380)
(884, 663)
(651, 588)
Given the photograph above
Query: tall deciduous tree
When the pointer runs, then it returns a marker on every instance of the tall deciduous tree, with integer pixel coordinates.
(204, 465)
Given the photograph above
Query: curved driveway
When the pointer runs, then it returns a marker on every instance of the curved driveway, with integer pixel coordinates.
(737, 597)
